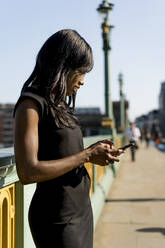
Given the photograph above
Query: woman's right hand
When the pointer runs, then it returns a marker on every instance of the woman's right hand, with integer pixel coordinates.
(103, 153)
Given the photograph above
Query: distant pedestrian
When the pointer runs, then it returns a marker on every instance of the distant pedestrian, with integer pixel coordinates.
(142, 135)
(147, 136)
(156, 134)
(133, 133)
(158, 138)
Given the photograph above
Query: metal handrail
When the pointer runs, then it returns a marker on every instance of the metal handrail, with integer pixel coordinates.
(6, 166)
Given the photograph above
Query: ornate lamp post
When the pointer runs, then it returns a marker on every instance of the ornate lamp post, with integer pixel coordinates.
(122, 103)
(104, 9)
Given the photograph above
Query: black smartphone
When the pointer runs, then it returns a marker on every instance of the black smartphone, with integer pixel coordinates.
(127, 146)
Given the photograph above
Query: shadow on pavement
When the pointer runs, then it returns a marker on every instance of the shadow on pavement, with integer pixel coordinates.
(135, 200)
(152, 229)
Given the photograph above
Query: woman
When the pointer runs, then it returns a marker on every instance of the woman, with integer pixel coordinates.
(49, 148)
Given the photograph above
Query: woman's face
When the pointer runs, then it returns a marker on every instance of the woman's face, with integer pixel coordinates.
(74, 81)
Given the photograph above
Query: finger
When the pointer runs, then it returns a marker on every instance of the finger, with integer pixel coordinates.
(108, 142)
(107, 162)
(121, 151)
(112, 158)
(116, 152)
(107, 147)
(116, 159)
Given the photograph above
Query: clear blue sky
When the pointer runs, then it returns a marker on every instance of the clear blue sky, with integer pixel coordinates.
(138, 47)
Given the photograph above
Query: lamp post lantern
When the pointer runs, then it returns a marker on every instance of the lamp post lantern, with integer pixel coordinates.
(104, 9)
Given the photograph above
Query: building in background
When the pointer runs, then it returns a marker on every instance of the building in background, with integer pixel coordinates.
(6, 125)
(90, 120)
(162, 109)
(150, 121)
(155, 119)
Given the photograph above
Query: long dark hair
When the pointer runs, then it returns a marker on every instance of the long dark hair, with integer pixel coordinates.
(62, 53)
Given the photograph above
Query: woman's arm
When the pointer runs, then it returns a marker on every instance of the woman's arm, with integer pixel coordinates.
(29, 168)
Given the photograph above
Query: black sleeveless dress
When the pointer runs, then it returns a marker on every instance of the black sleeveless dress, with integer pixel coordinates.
(60, 214)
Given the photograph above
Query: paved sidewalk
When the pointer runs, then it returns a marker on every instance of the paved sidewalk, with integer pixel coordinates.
(134, 213)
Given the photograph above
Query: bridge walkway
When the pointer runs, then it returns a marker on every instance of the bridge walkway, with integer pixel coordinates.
(134, 212)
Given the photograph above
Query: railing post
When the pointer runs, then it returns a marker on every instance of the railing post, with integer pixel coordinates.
(19, 215)
(94, 177)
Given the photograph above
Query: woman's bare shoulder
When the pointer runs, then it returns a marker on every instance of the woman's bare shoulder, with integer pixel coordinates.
(27, 105)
